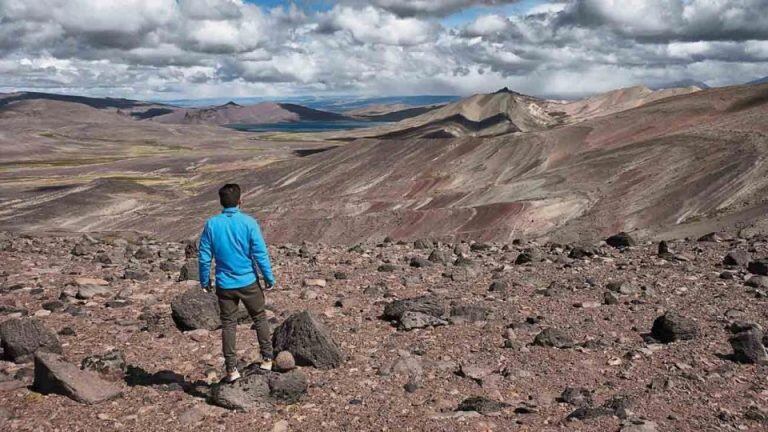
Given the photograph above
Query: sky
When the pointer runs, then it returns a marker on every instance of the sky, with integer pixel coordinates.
(173, 49)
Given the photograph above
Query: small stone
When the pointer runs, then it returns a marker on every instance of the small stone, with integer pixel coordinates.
(577, 396)
(672, 327)
(620, 240)
(321, 283)
(551, 337)
(111, 364)
(284, 362)
(759, 267)
(498, 286)
(610, 298)
(419, 262)
(748, 347)
(481, 405)
(737, 258)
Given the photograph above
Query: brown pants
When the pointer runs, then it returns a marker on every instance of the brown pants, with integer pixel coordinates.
(253, 298)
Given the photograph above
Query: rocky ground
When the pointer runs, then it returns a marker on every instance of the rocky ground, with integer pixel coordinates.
(416, 336)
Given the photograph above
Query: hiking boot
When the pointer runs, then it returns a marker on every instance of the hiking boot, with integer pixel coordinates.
(232, 376)
(266, 365)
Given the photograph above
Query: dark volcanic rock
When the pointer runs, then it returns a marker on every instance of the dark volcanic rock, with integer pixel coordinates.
(413, 320)
(620, 240)
(737, 258)
(498, 286)
(527, 257)
(482, 405)
(189, 271)
(748, 346)
(304, 336)
(428, 305)
(111, 363)
(438, 256)
(583, 251)
(136, 274)
(759, 267)
(716, 237)
(196, 309)
(672, 327)
(249, 392)
(387, 268)
(423, 244)
(54, 375)
(577, 396)
(288, 387)
(419, 262)
(470, 313)
(25, 336)
(551, 337)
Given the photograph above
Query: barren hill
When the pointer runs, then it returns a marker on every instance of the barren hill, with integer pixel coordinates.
(232, 113)
(697, 157)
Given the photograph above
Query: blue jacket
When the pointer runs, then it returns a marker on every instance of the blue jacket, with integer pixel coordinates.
(234, 240)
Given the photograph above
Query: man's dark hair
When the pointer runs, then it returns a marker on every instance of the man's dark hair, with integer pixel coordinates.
(229, 195)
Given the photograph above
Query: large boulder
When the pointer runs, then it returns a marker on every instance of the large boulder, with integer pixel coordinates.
(672, 327)
(55, 375)
(311, 344)
(249, 392)
(22, 337)
(196, 309)
(259, 389)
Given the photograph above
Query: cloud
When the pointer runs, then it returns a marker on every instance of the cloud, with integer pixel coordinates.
(372, 25)
(203, 48)
(433, 7)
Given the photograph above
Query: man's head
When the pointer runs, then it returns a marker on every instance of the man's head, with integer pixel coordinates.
(229, 195)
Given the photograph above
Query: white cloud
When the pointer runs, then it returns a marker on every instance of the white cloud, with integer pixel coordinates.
(198, 48)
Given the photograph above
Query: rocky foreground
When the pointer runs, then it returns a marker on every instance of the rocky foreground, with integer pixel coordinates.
(106, 332)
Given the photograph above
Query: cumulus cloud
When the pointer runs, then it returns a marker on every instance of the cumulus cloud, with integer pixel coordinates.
(433, 7)
(203, 48)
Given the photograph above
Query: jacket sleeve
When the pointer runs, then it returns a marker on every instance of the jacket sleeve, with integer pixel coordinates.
(259, 253)
(204, 257)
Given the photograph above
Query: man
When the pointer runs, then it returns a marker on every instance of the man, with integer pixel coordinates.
(234, 240)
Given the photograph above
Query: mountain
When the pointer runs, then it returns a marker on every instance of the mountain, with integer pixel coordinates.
(232, 113)
(479, 115)
(681, 83)
(662, 164)
(616, 101)
(759, 81)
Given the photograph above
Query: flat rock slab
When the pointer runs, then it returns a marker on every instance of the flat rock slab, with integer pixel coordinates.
(55, 375)
(307, 339)
(24, 336)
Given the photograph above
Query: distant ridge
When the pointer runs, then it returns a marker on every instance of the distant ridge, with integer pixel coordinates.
(681, 84)
(759, 81)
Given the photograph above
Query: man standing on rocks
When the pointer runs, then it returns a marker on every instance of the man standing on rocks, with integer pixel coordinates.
(234, 240)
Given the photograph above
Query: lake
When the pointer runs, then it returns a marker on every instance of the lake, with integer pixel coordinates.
(305, 126)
